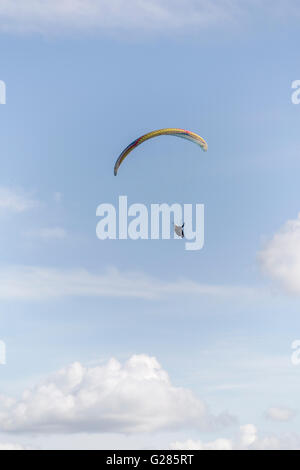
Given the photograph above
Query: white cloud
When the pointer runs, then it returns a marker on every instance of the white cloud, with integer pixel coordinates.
(246, 439)
(280, 258)
(48, 233)
(190, 444)
(135, 397)
(48, 15)
(280, 414)
(9, 446)
(15, 200)
(37, 283)
(248, 435)
(288, 441)
(44, 16)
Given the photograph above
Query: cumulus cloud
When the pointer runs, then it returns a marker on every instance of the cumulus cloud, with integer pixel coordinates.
(135, 397)
(280, 258)
(44, 16)
(15, 200)
(38, 283)
(280, 414)
(246, 439)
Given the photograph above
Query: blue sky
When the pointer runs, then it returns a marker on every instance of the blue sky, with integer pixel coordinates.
(79, 89)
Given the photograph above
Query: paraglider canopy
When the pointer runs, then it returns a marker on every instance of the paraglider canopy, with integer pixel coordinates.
(168, 131)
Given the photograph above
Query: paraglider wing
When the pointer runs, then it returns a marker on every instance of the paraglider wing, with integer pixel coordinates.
(169, 131)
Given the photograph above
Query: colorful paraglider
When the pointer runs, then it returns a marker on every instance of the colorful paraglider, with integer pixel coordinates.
(169, 131)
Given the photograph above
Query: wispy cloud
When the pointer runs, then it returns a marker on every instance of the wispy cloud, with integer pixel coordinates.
(48, 233)
(16, 200)
(46, 16)
(54, 15)
(136, 396)
(38, 283)
(280, 414)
